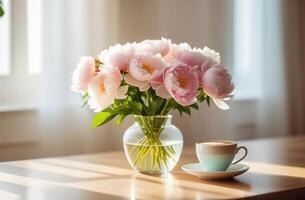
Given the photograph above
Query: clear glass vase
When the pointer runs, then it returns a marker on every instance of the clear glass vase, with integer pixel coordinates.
(152, 144)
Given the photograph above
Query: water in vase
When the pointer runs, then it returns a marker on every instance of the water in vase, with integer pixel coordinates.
(153, 159)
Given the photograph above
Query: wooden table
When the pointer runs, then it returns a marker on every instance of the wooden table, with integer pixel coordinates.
(277, 171)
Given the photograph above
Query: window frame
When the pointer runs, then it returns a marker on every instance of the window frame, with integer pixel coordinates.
(19, 88)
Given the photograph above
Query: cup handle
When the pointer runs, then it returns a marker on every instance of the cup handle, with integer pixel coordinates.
(246, 153)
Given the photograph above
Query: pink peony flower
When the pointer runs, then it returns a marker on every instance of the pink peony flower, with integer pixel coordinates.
(118, 56)
(181, 82)
(143, 68)
(212, 54)
(105, 88)
(202, 59)
(213, 58)
(217, 83)
(184, 53)
(83, 74)
(154, 46)
(157, 84)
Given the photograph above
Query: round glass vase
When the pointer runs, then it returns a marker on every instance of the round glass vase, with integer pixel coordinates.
(152, 144)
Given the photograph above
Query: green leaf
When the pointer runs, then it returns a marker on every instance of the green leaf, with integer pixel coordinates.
(85, 99)
(156, 106)
(1, 12)
(180, 112)
(208, 100)
(1, 9)
(120, 119)
(187, 110)
(85, 96)
(201, 97)
(135, 106)
(195, 106)
(102, 118)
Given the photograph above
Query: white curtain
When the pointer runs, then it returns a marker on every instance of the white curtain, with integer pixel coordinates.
(281, 105)
(273, 110)
(71, 29)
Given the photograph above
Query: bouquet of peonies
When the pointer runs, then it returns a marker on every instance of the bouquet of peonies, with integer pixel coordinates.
(151, 78)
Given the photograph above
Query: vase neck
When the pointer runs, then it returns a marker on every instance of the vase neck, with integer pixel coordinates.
(153, 121)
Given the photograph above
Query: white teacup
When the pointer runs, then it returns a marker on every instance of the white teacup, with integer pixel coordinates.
(218, 155)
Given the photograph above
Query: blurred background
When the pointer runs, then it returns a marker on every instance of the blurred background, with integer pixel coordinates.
(262, 43)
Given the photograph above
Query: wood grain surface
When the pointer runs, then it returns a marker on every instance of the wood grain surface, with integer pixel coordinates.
(277, 171)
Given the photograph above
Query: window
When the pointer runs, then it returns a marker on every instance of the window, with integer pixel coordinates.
(20, 54)
(248, 46)
(5, 39)
(34, 35)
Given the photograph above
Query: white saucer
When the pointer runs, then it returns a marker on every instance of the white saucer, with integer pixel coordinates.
(196, 170)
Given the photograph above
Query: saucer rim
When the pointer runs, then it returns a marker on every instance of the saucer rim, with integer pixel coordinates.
(243, 169)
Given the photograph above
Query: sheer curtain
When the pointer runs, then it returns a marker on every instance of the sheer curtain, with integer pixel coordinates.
(72, 29)
(282, 105)
(273, 111)
(280, 69)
